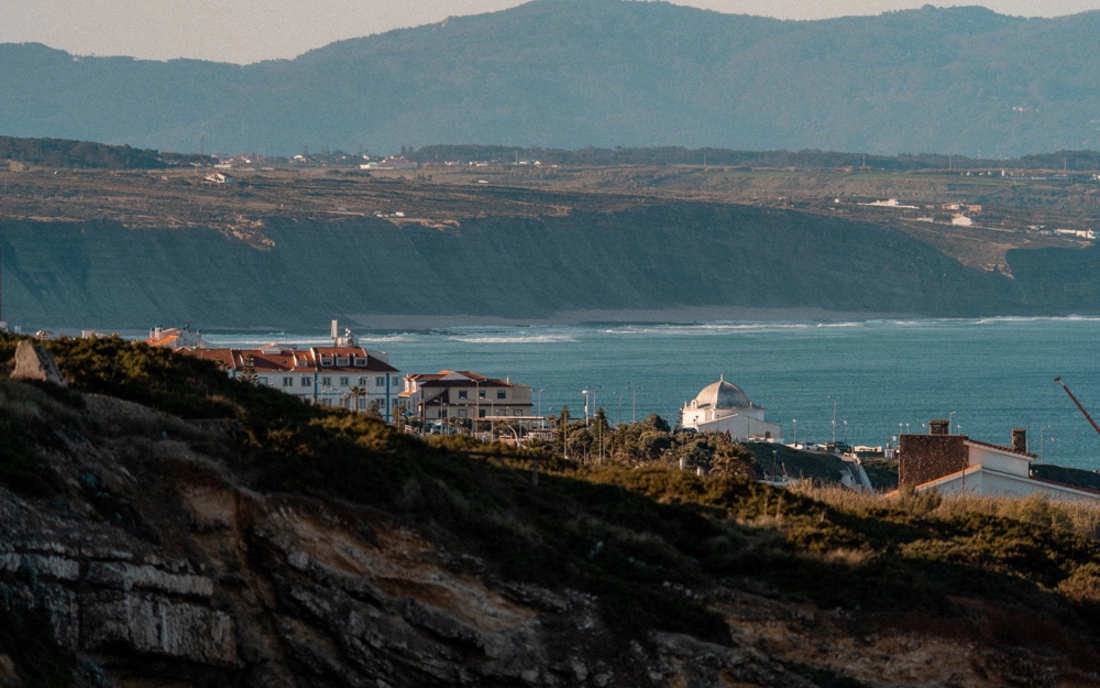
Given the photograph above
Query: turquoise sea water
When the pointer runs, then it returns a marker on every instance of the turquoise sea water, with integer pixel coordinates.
(995, 373)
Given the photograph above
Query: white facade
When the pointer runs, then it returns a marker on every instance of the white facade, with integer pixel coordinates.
(999, 471)
(347, 376)
(723, 407)
(464, 395)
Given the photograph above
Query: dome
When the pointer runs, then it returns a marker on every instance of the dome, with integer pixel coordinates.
(722, 394)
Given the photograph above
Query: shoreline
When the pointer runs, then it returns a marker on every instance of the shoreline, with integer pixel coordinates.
(666, 316)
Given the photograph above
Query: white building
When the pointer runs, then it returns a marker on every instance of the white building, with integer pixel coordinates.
(954, 464)
(348, 376)
(465, 395)
(175, 338)
(723, 407)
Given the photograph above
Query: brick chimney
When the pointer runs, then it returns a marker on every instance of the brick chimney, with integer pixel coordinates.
(931, 456)
(1019, 440)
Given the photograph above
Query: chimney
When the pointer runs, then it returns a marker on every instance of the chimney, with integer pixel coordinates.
(1019, 440)
(939, 427)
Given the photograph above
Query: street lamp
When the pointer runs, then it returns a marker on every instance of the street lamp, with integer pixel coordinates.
(1042, 448)
(619, 415)
(585, 393)
(542, 421)
(634, 404)
(477, 406)
(834, 419)
(845, 432)
(795, 440)
(950, 417)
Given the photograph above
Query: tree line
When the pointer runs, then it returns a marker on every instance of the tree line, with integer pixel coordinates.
(66, 153)
(1075, 160)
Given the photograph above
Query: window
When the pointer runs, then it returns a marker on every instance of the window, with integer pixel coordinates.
(326, 361)
(481, 413)
(262, 380)
(462, 394)
(326, 381)
(360, 363)
(306, 382)
(462, 413)
(342, 362)
(380, 381)
(481, 394)
(288, 381)
(344, 381)
(502, 394)
(363, 382)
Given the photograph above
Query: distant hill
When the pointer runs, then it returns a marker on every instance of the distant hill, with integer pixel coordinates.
(88, 155)
(570, 73)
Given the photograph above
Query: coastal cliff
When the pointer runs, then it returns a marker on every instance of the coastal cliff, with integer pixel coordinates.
(285, 273)
(246, 539)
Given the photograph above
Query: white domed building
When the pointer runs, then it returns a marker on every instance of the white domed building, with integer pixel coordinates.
(724, 407)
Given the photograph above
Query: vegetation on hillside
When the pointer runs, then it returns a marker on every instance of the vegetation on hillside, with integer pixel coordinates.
(88, 155)
(651, 543)
(1071, 160)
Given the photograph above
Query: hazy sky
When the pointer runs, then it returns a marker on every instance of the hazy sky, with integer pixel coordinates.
(252, 30)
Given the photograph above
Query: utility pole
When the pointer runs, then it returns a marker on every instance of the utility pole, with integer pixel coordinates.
(834, 420)
(634, 404)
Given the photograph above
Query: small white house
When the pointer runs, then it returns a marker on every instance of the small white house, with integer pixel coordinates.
(954, 464)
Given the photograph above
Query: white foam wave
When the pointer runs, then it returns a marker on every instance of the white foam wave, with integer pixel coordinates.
(516, 339)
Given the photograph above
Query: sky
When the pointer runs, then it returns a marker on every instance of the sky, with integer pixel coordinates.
(245, 31)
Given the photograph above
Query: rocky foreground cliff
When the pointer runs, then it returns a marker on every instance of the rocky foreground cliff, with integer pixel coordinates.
(281, 545)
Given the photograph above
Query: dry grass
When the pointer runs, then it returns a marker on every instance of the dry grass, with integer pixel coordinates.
(1082, 519)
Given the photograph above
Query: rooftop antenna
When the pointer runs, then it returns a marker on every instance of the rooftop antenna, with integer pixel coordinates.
(201, 137)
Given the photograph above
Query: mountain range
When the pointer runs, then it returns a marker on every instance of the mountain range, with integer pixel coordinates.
(572, 73)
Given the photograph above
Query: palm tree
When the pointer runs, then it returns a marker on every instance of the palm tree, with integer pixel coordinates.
(356, 392)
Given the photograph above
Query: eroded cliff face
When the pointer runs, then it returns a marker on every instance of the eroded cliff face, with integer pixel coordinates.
(162, 569)
(159, 566)
(671, 256)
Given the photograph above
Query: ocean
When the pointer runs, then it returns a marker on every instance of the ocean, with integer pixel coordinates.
(885, 375)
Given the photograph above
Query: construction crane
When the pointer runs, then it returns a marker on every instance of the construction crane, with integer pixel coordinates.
(1087, 416)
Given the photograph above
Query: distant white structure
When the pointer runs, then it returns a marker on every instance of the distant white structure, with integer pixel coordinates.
(1079, 233)
(888, 203)
(175, 338)
(962, 221)
(391, 163)
(723, 407)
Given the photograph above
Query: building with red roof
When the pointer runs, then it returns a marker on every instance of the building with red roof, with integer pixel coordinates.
(348, 376)
(462, 394)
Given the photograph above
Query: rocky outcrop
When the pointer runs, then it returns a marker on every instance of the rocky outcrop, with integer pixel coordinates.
(32, 362)
(159, 566)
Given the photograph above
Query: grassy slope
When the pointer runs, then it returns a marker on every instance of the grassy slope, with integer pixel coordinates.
(618, 533)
